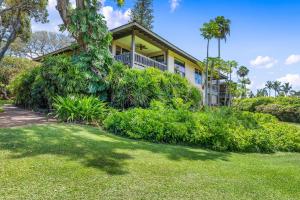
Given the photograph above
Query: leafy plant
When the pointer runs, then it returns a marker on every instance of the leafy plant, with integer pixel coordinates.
(79, 109)
(284, 108)
(219, 129)
(10, 67)
(137, 88)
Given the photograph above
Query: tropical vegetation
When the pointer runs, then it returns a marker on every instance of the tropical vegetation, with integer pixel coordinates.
(284, 108)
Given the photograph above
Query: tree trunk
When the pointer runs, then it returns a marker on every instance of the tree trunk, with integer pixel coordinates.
(206, 74)
(230, 95)
(16, 28)
(218, 81)
(211, 83)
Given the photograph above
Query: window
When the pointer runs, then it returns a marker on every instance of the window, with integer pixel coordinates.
(179, 68)
(118, 50)
(198, 77)
(159, 58)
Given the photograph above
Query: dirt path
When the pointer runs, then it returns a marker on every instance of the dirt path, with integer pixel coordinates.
(14, 116)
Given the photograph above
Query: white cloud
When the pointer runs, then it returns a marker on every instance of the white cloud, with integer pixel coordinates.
(293, 79)
(174, 4)
(115, 18)
(263, 61)
(52, 4)
(292, 59)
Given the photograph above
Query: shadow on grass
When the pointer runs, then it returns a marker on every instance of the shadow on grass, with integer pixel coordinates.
(83, 144)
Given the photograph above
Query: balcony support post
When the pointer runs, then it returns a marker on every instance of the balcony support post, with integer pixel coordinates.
(132, 48)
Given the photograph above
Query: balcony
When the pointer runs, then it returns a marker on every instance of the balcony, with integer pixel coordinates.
(140, 61)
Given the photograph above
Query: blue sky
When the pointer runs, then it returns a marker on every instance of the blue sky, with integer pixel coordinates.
(265, 34)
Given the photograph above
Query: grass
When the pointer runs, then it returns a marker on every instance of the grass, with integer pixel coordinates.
(62, 161)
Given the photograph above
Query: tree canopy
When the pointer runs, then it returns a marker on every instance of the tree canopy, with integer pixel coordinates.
(142, 13)
(16, 16)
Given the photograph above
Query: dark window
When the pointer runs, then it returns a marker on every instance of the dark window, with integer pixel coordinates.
(125, 51)
(179, 68)
(159, 58)
(118, 50)
(198, 77)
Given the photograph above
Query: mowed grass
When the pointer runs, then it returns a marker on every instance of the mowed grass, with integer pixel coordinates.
(60, 161)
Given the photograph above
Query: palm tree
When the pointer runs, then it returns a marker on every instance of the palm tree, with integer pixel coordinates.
(208, 31)
(262, 92)
(276, 87)
(221, 34)
(243, 72)
(232, 65)
(286, 88)
(269, 85)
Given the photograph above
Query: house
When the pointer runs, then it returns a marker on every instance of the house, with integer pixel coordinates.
(140, 48)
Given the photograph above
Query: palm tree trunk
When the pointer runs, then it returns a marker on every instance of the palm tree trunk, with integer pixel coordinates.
(229, 102)
(218, 81)
(211, 83)
(206, 74)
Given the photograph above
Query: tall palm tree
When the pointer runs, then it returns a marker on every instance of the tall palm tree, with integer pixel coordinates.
(262, 92)
(232, 65)
(286, 88)
(269, 85)
(208, 30)
(221, 34)
(243, 72)
(276, 87)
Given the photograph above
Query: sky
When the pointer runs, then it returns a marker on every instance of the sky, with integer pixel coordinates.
(265, 34)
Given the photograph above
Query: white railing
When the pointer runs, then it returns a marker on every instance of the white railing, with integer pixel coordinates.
(141, 61)
(148, 62)
(124, 58)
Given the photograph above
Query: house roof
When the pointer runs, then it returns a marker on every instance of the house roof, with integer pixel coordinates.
(128, 28)
(134, 26)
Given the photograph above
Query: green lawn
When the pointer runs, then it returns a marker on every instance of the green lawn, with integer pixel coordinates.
(79, 162)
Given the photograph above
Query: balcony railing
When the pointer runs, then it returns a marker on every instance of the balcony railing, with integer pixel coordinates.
(140, 61)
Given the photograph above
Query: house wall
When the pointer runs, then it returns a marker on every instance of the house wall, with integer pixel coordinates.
(189, 67)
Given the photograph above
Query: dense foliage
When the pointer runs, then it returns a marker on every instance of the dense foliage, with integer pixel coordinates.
(10, 67)
(137, 88)
(218, 129)
(284, 108)
(79, 109)
(142, 13)
(58, 75)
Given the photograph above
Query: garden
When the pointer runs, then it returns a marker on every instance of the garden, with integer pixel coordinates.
(125, 133)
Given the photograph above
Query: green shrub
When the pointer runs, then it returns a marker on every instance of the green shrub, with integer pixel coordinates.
(137, 88)
(79, 109)
(10, 67)
(219, 129)
(57, 76)
(28, 90)
(284, 108)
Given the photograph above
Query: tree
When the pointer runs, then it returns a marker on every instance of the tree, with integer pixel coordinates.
(295, 93)
(262, 92)
(232, 65)
(276, 87)
(243, 72)
(250, 94)
(208, 31)
(89, 29)
(142, 13)
(221, 34)
(16, 16)
(286, 88)
(269, 85)
(40, 43)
